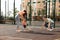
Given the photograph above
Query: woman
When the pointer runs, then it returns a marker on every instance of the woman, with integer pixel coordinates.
(17, 18)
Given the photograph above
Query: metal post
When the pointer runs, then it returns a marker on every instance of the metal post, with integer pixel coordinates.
(5, 10)
(49, 9)
(30, 12)
(46, 8)
(8, 8)
(54, 5)
(14, 11)
(0, 7)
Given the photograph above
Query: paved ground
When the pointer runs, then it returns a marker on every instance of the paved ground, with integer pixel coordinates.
(39, 23)
(8, 32)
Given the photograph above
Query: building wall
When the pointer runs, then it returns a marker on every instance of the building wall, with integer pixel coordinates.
(0, 7)
(57, 7)
(40, 6)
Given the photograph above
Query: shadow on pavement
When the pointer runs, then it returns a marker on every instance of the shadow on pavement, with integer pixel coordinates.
(33, 32)
(55, 31)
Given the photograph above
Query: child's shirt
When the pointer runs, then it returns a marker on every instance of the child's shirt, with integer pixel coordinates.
(49, 20)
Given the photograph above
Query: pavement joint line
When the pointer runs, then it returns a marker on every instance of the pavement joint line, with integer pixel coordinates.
(14, 38)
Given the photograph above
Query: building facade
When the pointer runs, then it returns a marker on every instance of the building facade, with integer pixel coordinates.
(0, 7)
(58, 7)
(39, 6)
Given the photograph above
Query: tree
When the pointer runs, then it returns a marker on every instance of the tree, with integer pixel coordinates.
(16, 11)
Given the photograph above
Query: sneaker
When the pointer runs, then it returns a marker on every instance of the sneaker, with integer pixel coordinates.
(18, 30)
(49, 29)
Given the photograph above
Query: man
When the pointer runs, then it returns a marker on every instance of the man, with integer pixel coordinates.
(48, 23)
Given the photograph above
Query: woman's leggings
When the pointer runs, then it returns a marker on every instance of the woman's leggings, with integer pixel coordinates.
(17, 20)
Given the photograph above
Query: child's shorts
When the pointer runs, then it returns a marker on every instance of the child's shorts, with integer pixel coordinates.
(51, 25)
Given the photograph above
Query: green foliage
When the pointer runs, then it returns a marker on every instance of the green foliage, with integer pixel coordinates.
(11, 18)
(1, 18)
(59, 14)
(16, 11)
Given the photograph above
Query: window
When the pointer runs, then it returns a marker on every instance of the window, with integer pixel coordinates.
(59, 1)
(38, 2)
(43, 2)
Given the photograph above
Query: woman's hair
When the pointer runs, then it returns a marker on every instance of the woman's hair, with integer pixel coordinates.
(25, 14)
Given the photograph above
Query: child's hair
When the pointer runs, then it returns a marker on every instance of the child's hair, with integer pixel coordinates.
(24, 20)
(25, 11)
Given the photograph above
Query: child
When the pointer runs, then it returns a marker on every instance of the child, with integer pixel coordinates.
(24, 23)
(48, 23)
